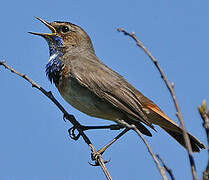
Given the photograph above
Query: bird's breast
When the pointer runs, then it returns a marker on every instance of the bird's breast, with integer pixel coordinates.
(86, 101)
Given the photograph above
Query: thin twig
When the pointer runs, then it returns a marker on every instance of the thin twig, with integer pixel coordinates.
(172, 92)
(68, 116)
(204, 113)
(166, 167)
(160, 168)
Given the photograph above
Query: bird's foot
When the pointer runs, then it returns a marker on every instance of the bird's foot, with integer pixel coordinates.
(75, 136)
(95, 157)
(74, 132)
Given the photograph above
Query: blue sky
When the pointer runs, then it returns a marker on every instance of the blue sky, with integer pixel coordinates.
(34, 140)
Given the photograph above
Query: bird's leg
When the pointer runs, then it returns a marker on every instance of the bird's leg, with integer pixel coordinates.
(111, 127)
(102, 150)
(75, 136)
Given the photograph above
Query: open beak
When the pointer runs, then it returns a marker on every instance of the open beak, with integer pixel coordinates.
(53, 30)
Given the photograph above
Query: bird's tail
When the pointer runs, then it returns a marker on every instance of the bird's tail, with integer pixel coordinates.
(156, 116)
(178, 136)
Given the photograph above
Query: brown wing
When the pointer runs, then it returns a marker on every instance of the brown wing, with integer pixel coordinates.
(110, 86)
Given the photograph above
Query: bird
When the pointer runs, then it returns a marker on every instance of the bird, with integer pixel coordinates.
(93, 88)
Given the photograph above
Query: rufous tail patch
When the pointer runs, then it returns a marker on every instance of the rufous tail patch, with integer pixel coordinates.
(159, 112)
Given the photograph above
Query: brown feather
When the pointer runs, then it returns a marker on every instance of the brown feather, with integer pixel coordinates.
(159, 118)
(109, 86)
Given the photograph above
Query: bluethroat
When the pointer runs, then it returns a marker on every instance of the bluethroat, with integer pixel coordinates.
(96, 90)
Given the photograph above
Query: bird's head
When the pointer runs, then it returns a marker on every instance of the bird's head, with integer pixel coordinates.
(65, 36)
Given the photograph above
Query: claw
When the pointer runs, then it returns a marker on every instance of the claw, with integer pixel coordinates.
(64, 118)
(94, 157)
(68, 117)
(72, 133)
(97, 163)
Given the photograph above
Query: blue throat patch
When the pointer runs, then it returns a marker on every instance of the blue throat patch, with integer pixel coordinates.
(54, 66)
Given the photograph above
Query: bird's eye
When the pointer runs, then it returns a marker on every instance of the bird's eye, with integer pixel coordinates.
(65, 29)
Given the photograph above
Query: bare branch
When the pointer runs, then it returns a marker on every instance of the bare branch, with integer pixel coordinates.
(68, 116)
(160, 168)
(172, 92)
(166, 167)
(204, 113)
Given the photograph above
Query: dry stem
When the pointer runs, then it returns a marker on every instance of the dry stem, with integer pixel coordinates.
(204, 113)
(172, 92)
(98, 160)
